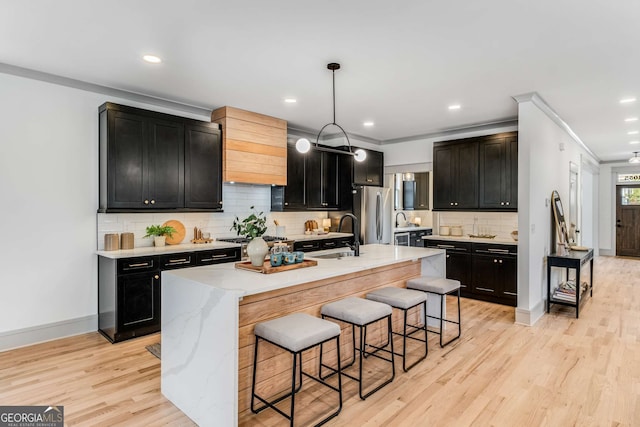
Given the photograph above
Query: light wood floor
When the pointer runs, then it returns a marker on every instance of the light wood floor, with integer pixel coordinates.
(560, 372)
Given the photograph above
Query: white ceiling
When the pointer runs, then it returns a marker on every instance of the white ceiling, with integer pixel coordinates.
(403, 63)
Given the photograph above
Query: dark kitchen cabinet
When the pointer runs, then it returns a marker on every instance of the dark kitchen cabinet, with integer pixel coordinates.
(458, 262)
(498, 172)
(203, 167)
(129, 294)
(312, 245)
(495, 273)
(293, 196)
(322, 180)
(455, 175)
(371, 170)
(478, 173)
(152, 161)
(486, 271)
(415, 237)
(421, 197)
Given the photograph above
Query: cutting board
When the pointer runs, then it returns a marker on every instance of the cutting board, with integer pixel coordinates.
(178, 236)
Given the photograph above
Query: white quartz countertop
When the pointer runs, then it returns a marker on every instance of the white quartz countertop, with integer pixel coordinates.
(497, 241)
(227, 277)
(168, 249)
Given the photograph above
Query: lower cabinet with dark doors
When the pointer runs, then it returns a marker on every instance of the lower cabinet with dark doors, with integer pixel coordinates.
(415, 237)
(486, 271)
(322, 244)
(129, 289)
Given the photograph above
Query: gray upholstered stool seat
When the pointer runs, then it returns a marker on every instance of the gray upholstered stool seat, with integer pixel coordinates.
(398, 297)
(296, 333)
(360, 313)
(436, 285)
(441, 287)
(405, 299)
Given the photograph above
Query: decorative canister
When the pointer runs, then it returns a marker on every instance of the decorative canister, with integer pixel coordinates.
(126, 241)
(456, 230)
(111, 242)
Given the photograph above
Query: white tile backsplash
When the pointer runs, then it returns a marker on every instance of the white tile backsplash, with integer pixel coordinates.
(499, 223)
(238, 199)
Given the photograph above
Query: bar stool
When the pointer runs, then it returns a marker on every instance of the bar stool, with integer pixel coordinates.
(296, 333)
(442, 287)
(405, 300)
(361, 313)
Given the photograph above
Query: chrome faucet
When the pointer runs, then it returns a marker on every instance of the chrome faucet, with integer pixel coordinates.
(400, 213)
(356, 229)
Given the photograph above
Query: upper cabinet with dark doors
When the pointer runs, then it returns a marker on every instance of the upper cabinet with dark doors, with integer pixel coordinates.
(316, 180)
(371, 170)
(498, 177)
(151, 161)
(476, 173)
(455, 175)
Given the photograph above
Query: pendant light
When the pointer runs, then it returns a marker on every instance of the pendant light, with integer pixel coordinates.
(635, 158)
(303, 145)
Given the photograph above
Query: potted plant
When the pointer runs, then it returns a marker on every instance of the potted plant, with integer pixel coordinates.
(253, 227)
(160, 233)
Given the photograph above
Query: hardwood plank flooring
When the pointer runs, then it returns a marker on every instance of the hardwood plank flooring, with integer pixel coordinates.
(562, 371)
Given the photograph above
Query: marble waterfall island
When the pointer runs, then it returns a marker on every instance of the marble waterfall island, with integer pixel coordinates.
(208, 315)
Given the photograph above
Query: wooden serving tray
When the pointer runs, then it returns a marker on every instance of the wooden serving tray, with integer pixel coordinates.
(268, 269)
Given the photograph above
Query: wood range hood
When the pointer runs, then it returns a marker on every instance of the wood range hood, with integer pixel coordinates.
(254, 147)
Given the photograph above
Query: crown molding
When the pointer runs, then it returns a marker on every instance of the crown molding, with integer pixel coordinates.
(537, 100)
(510, 122)
(105, 90)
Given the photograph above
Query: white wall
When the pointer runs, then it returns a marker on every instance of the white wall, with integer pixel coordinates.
(544, 152)
(49, 193)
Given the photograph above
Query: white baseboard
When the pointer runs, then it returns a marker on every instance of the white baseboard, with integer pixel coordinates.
(530, 317)
(607, 252)
(51, 331)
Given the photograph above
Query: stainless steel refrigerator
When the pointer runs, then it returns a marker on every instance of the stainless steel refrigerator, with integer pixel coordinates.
(372, 206)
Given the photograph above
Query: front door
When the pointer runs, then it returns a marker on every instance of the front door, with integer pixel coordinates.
(628, 220)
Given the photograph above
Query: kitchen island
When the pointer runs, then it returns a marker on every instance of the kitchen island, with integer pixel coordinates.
(208, 316)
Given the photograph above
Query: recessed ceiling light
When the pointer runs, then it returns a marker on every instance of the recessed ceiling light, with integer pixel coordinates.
(633, 132)
(368, 124)
(634, 142)
(631, 119)
(152, 59)
(454, 107)
(627, 100)
(290, 100)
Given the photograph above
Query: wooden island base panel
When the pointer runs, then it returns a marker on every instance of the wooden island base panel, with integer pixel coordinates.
(209, 314)
(275, 364)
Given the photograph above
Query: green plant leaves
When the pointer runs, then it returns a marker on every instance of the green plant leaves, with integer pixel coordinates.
(252, 226)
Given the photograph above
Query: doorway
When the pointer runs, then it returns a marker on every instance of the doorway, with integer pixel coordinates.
(628, 220)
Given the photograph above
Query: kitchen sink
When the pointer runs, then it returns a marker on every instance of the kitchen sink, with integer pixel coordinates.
(335, 255)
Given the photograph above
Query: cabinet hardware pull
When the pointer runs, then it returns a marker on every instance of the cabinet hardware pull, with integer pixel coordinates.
(495, 260)
(220, 256)
(502, 251)
(146, 202)
(153, 202)
(456, 203)
(142, 264)
(330, 244)
(511, 293)
(156, 277)
(206, 259)
(307, 246)
(220, 202)
(484, 289)
(500, 261)
(448, 256)
(369, 180)
(507, 203)
(175, 261)
(451, 203)
(501, 203)
(446, 247)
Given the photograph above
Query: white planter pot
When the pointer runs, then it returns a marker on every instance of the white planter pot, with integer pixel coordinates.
(159, 240)
(257, 249)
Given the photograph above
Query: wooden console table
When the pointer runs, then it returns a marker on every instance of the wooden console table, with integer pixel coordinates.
(574, 260)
